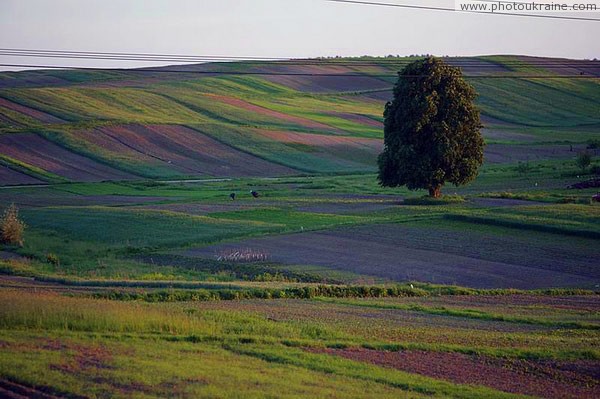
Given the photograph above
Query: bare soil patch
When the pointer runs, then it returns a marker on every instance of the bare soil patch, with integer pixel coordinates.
(548, 379)
(10, 177)
(583, 304)
(37, 151)
(437, 255)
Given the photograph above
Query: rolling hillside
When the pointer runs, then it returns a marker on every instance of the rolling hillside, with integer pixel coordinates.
(264, 118)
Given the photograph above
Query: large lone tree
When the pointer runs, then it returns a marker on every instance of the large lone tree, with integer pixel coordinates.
(432, 129)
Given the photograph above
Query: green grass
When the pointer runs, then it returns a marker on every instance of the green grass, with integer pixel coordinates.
(138, 228)
(97, 347)
(185, 370)
(569, 219)
(291, 220)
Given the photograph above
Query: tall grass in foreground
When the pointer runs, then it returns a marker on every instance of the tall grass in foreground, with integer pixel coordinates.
(48, 311)
(51, 311)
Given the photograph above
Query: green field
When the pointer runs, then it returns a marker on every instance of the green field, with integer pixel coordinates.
(234, 110)
(140, 277)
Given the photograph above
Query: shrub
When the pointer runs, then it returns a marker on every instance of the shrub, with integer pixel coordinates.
(523, 168)
(584, 159)
(53, 259)
(593, 144)
(11, 227)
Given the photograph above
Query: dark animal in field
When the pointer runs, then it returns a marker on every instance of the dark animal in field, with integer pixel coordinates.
(596, 198)
(232, 196)
(254, 194)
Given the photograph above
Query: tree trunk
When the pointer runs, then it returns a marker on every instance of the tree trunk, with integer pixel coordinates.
(435, 192)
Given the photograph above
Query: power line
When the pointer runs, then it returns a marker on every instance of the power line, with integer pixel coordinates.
(262, 73)
(170, 56)
(431, 8)
(222, 57)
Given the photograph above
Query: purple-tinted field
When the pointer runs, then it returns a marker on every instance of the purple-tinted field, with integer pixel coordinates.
(180, 149)
(10, 177)
(548, 379)
(37, 151)
(444, 256)
(31, 112)
(502, 153)
(79, 200)
(322, 84)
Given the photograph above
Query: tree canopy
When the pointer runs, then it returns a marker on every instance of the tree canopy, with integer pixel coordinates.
(431, 129)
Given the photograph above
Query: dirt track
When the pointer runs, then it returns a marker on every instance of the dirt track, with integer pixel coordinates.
(443, 256)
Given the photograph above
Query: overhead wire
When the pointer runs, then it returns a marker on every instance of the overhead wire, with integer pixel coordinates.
(378, 62)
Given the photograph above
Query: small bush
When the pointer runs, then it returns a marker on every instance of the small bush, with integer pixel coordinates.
(584, 159)
(53, 259)
(11, 227)
(593, 144)
(523, 168)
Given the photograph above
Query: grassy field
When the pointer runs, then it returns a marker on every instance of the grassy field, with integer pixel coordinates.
(110, 279)
(140, 277)
(95, 348)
